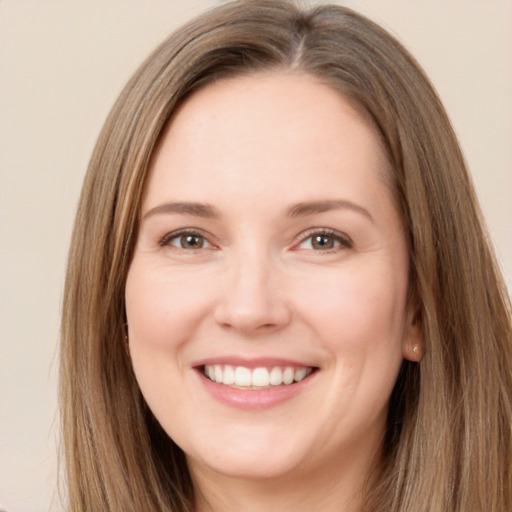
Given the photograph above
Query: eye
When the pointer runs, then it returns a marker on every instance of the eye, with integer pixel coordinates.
(188, 240)
(325, 240)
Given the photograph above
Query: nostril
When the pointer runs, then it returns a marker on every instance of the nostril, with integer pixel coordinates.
(246, 313)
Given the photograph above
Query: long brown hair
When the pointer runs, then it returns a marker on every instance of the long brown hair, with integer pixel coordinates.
(448, 445)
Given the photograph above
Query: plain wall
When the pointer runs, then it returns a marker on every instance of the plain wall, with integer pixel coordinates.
(62, 64)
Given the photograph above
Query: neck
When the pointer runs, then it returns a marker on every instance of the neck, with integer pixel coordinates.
(332, 489)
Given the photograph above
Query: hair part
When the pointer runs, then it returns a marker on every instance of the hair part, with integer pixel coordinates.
(448, 442)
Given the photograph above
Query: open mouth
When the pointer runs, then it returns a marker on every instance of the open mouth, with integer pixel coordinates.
(241, 377)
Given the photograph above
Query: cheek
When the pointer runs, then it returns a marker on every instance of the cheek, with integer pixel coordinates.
(163, 311)
(357, 309)
(163, 307)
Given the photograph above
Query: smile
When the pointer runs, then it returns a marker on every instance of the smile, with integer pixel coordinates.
(240, 377)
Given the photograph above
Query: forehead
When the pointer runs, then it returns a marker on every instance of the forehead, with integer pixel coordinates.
(252, 127)
(294, 95)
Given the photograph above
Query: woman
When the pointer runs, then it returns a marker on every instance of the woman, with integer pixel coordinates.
(280, 293)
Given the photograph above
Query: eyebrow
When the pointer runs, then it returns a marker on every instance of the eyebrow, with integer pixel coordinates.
(195, 209)
(315, 207)
(302, 209)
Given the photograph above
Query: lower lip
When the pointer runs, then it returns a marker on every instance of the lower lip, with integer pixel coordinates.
(254, 399)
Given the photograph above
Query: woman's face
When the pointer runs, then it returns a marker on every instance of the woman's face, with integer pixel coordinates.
(266, 300)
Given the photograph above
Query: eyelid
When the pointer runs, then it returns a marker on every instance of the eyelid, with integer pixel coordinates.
(344, 240)
(165, 241)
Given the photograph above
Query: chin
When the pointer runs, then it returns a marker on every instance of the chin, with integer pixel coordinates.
(251, 459)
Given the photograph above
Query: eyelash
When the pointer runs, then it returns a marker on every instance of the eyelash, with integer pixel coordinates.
(176, 235)
(339, 238)
(342, 240)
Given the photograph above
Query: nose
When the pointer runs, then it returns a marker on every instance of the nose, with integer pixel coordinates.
(252, 300)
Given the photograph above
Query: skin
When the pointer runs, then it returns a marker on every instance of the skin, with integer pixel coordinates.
(253, 148)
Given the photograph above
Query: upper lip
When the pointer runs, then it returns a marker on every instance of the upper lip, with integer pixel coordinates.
(256, 362)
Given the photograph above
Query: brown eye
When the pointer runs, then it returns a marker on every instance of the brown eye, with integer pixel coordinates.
(322, 242)
(190, 241)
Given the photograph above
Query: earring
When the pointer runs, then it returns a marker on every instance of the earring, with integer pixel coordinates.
(416, 350)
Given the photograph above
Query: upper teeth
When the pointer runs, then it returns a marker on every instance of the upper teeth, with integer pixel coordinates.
(241, 376)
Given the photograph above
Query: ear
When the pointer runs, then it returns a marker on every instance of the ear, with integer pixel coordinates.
(414, 344)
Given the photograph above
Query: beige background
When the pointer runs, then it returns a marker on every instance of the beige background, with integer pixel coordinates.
(62, 63)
